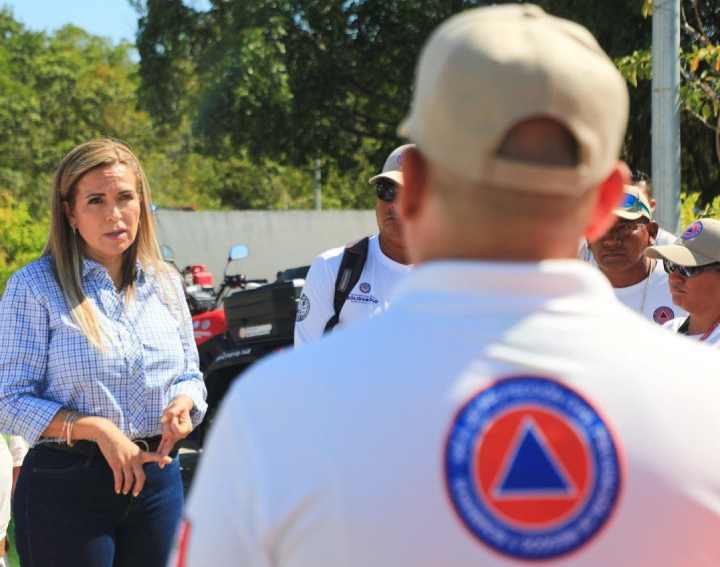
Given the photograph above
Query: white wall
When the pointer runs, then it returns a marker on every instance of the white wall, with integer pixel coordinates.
(276, 239)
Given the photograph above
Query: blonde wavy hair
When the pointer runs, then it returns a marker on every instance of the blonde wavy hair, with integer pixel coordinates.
(65, 246)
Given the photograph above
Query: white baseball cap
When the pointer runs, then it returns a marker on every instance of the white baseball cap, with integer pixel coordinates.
(392, 169)
(634, 205)
(487, 69)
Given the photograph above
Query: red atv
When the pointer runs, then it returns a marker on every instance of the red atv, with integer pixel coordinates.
(204, 301)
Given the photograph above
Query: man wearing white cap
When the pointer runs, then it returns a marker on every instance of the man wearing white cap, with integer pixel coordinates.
(693, 263)
(641, 181)
(355, 282)
(639, 282)
(498, 414)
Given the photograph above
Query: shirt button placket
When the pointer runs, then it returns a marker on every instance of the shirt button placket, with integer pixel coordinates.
(135, 417)
(134, 357)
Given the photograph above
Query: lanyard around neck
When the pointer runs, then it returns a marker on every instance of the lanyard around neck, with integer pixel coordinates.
(685, 327)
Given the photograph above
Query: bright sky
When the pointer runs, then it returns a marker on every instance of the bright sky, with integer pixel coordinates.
(109, 18)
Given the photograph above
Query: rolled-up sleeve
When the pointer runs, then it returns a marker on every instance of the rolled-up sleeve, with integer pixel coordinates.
(190, 382)
(24, 338)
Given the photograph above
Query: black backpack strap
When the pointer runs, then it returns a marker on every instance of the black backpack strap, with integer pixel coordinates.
(351, 266)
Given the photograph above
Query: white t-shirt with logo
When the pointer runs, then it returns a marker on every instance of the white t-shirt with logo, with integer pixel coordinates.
(713, 339)
(499, 412)
(651, 297)
(370, 296)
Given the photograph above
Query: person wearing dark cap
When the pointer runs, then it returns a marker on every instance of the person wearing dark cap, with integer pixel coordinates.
(506, 409)
(693, 265)
(639, 282)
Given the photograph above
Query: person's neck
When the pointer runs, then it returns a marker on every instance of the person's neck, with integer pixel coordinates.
(114, 268)
(633, 275)
(393, 249)
(525, 249)
(701, 323)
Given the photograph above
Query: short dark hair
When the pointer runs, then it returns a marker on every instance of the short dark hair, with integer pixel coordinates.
(642, 179)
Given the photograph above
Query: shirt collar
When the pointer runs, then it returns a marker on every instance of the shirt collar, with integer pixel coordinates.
(519, 283)
(92, 268)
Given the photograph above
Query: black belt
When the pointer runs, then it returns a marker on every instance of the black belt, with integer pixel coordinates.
(91, 449)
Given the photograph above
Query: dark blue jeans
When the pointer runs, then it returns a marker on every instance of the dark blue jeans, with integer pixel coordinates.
(67, 513)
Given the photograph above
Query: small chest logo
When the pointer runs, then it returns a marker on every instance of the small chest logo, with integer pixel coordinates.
(532, 469)
(693, 231)
(303, 308)
(663, 315)
(365, 287)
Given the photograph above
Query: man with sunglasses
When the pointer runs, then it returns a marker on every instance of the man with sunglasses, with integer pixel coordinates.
(385, 263)
(638, 281)
(642, 182)
(507, 410)
(693, 265)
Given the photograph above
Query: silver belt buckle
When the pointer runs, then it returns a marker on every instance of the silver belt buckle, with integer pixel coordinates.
(140, 443)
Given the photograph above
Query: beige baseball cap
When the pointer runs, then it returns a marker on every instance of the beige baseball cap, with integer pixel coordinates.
(697, 246)
(634, 205)
(392, 169)
(487, 69)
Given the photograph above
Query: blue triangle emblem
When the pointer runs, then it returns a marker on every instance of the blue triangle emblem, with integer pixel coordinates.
(531, 469)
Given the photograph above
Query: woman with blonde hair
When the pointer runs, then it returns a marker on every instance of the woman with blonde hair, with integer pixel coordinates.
(99, 373)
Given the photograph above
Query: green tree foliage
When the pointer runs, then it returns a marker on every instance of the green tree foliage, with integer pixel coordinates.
(292, 80)
(690, 208)
(56, 91)
(289, 80)
(22, 237)
(699, 95)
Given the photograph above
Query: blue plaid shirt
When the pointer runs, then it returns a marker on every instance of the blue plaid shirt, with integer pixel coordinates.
(46, 363)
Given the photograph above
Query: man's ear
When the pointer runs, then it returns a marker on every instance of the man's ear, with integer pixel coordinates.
(652, 229)
(609, 194)
(411, 197)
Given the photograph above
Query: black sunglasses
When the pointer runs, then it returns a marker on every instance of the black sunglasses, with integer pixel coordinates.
(386, 189)
(688, 271)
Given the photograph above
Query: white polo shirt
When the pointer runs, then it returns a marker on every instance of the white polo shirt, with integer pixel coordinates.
(497, 413)
(370, 296)
(651, 297)
(713, 339)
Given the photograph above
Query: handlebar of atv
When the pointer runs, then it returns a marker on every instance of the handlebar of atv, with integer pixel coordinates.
(239, 280)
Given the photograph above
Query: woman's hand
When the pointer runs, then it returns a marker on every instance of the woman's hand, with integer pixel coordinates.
(176, 424)
(126, 459)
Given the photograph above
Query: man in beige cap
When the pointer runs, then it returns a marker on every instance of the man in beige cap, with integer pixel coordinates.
(355, 282)
(693, 264)
(642, 182)
(639, 282)
(507, 408)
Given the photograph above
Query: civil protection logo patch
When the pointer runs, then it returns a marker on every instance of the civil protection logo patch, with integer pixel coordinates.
(693, 231)
(303, 308)
(663, 315)
(365, 287)
(531, 469)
